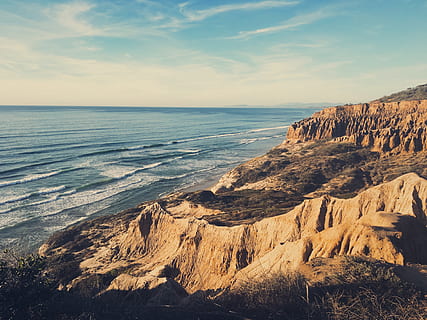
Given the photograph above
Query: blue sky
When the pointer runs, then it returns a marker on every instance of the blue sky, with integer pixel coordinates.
(209, 53)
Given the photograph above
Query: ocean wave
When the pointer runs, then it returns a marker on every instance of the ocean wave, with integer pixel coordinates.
(208, 137)
(165, 156)
(70, 192)
(151, 166)
(118, 173)
(172, 142)
(229, 134)
(53, 133)
(44, 191)
(29, 178)
(94, 184)
(72, 146)
(89, 197)
(5, 211)
(45, 201)
(51, 190)
(101, 152)
(33, 165)
(12, 199)
(249, 141)
(189, 150)
(268, 129)
(59, 204)
(150, 146)
(124, 149)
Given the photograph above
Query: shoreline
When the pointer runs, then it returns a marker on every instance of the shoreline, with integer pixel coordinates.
(203, 185)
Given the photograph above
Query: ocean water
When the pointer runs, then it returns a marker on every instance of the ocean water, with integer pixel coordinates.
(62, 165)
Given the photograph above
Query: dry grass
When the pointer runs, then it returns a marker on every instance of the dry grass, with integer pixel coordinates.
(364, 290)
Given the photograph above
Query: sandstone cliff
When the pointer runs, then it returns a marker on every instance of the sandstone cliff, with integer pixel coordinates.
(340, 150)
(384, 127)
(347, 181)
(386, 222)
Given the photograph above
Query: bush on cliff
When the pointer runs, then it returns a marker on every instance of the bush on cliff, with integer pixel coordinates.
(363, 290)
(24, 288)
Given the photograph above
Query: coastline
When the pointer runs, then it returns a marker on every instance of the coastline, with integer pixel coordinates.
(260, 218)
(97, 174)
(203, 185)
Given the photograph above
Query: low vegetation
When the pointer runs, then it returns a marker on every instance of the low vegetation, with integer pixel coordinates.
(362, 290)
(341, 170)
(416, 93)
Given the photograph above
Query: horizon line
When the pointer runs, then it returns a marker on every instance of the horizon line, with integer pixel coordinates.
(277, 106)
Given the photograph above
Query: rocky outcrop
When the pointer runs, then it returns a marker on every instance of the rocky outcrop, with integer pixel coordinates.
(385, 127)
(386, 222)
(347, 181)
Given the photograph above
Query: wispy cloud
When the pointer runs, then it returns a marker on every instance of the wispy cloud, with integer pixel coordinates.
(69, 15)
(292, 23)
(198, 15)
(300, 45)
(83, 18)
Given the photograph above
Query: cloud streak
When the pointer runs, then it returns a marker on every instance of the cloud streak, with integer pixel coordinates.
(290, 24)
(69, 15)
(199, 15)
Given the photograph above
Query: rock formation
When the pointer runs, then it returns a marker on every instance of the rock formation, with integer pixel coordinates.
(347, 181)
(384, 127)
(156, 245)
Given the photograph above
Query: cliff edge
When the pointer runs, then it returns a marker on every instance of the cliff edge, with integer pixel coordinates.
(386, 222)
(384, 127)
(349, 180)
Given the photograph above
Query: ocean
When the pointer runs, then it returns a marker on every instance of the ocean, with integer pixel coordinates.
(62, 165)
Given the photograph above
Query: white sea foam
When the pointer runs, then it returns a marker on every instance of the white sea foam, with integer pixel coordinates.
(49, 200)
(248, 141)
(189, 150)
(268, 129)
(211, 137)
(232, 134)
(88, 197)
(120, 172)
(54, 228)
(10, 220)
(51, 190)
(151, 166)
(12, 199)
(5, 211)
(205, 138)
(69, 192)
(29, 178)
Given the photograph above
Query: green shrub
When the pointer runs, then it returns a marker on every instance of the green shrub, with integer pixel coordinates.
(24, 288)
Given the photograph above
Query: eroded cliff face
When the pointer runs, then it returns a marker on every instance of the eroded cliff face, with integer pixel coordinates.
(340, 150)
(384, 127)
(347, 181)
(156, 245)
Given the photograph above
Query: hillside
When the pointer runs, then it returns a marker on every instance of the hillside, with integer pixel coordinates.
(416, 93)
(347, 181)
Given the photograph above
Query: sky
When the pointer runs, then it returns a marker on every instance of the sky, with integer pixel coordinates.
(209, 53)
